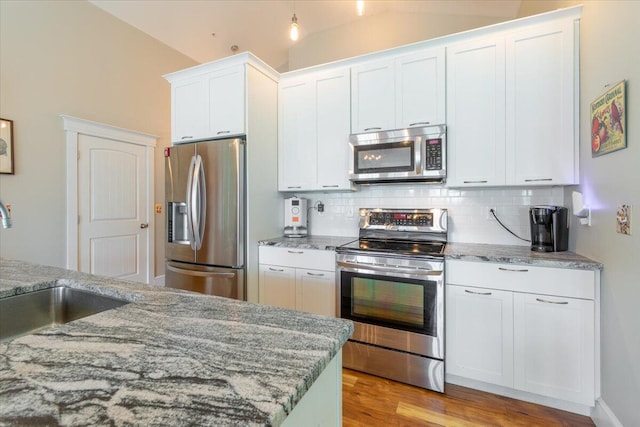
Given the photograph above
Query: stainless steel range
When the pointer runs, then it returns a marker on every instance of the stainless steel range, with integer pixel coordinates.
(391, 284)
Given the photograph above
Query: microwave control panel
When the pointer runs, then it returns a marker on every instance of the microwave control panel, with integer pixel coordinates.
(433, 154)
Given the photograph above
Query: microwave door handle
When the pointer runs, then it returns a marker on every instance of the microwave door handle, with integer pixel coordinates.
(189, 199)
(418, 150)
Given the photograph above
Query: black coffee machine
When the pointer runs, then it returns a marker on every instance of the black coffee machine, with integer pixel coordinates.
(549, 228)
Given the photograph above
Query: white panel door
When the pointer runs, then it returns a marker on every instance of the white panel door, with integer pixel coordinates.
(540, 105)
(554, 347)
(476, 113)
(226, 101)
(373, 97)
(316, 292)
(333, 125)
(112, 203)
(479, 334)
(420, 89)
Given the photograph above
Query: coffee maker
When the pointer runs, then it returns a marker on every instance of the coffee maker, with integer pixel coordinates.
(295, 217)
(549, 228)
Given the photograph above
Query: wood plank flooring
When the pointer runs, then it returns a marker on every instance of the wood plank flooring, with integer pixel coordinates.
(369, 401)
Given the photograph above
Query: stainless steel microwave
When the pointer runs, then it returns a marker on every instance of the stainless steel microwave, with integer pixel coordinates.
(402, 155)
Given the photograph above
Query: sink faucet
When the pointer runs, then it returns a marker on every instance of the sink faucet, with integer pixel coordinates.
(6, 221)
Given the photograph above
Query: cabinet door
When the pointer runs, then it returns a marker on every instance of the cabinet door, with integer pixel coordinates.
(296, 142)
(316, 292)
(188, 110)
(420, 89)
(540, 72)
(476, 113)
(277, 286)
(332, 97)
(554, 347)
(479, 332)
(373, 97)
(226, 101)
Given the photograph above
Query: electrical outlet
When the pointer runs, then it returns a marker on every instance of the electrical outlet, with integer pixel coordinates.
(623, 219)
(489, 214)
(158, 208)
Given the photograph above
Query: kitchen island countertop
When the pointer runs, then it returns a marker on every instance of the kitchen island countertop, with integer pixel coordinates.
(168, 358)
(512, 254)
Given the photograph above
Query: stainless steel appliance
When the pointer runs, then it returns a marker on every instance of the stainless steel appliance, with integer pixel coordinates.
(205, 193)
(295, 217)
(391, 285)
(549, 228)
(414, 154)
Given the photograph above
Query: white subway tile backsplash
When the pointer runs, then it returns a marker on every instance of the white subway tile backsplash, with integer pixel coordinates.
(467, 209)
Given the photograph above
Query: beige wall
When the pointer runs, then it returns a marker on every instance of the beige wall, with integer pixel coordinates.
(378, 32)
(69, 57)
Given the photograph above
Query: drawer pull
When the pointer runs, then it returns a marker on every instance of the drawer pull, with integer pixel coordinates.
(296, 252)
(187, 137)
(477, 293)
(294, 186)
(418, 123)
(315, 274)
(551, 302)
(330, 186)
(475, 182)
(538, 180)
(276, 269)
(524, 270)
(372, 128)
(223, 132)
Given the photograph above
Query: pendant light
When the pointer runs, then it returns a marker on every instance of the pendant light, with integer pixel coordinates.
(294, 28)
(360, 7)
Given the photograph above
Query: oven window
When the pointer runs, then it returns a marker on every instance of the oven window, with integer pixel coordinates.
(396, 303)
(387, 157)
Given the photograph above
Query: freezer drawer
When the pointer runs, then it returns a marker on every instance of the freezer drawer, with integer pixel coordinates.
(223, 282)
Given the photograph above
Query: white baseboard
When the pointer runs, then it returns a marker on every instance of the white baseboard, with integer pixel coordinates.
(603, 416)
(563, 405)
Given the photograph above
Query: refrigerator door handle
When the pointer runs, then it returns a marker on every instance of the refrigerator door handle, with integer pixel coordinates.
(200, 273)
(199, 202)
(190, 200)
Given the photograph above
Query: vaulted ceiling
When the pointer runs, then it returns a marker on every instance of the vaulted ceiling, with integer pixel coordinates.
(205, 30)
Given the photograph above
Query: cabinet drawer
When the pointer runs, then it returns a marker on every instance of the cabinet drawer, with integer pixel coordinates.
(523, 278)
(312, 259)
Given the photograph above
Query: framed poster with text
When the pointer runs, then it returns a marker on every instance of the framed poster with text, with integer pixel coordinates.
(608, 121)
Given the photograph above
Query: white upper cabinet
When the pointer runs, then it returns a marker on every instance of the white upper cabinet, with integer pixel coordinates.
(512, 107)
(476, 113)
(420, 89)
(399, 92)
(314, 128)
(540, 97)
(208, 104)
(227, 101)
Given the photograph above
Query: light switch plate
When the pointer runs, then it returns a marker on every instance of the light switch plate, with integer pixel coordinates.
(623, 219)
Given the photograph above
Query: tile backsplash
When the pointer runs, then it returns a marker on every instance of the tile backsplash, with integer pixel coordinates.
(469, 220)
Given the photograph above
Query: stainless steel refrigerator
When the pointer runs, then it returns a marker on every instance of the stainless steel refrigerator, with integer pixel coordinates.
(206, 225)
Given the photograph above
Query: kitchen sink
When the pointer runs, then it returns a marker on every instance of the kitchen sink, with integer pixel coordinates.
(28, 313)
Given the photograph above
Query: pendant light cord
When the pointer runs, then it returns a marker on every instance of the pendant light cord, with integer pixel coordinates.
(505, 227)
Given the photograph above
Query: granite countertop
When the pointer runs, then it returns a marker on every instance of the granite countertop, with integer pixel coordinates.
(519, 255)
(325, 243)
(169, 357)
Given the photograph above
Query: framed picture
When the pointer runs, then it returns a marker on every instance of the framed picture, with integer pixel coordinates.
(608, 121)
(6, 146)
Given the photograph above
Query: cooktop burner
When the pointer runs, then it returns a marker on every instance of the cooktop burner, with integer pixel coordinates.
(403, 247)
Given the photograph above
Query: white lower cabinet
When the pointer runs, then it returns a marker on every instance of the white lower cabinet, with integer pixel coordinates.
(297, 279)
(500, 331)
(479, 335)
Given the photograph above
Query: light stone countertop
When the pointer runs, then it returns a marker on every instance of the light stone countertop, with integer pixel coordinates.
(169, 358)
(324, 243)
(512, 254)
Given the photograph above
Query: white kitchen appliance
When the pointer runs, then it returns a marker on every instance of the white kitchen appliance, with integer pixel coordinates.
(295, 217)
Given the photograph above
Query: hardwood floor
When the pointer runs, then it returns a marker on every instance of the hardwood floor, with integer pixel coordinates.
(369, 401)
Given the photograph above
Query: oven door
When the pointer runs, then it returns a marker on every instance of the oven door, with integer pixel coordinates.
(398, 307)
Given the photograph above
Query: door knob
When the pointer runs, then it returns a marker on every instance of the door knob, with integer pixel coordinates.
(144, 225)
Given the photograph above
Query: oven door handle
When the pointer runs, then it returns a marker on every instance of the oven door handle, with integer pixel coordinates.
(414, 271)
